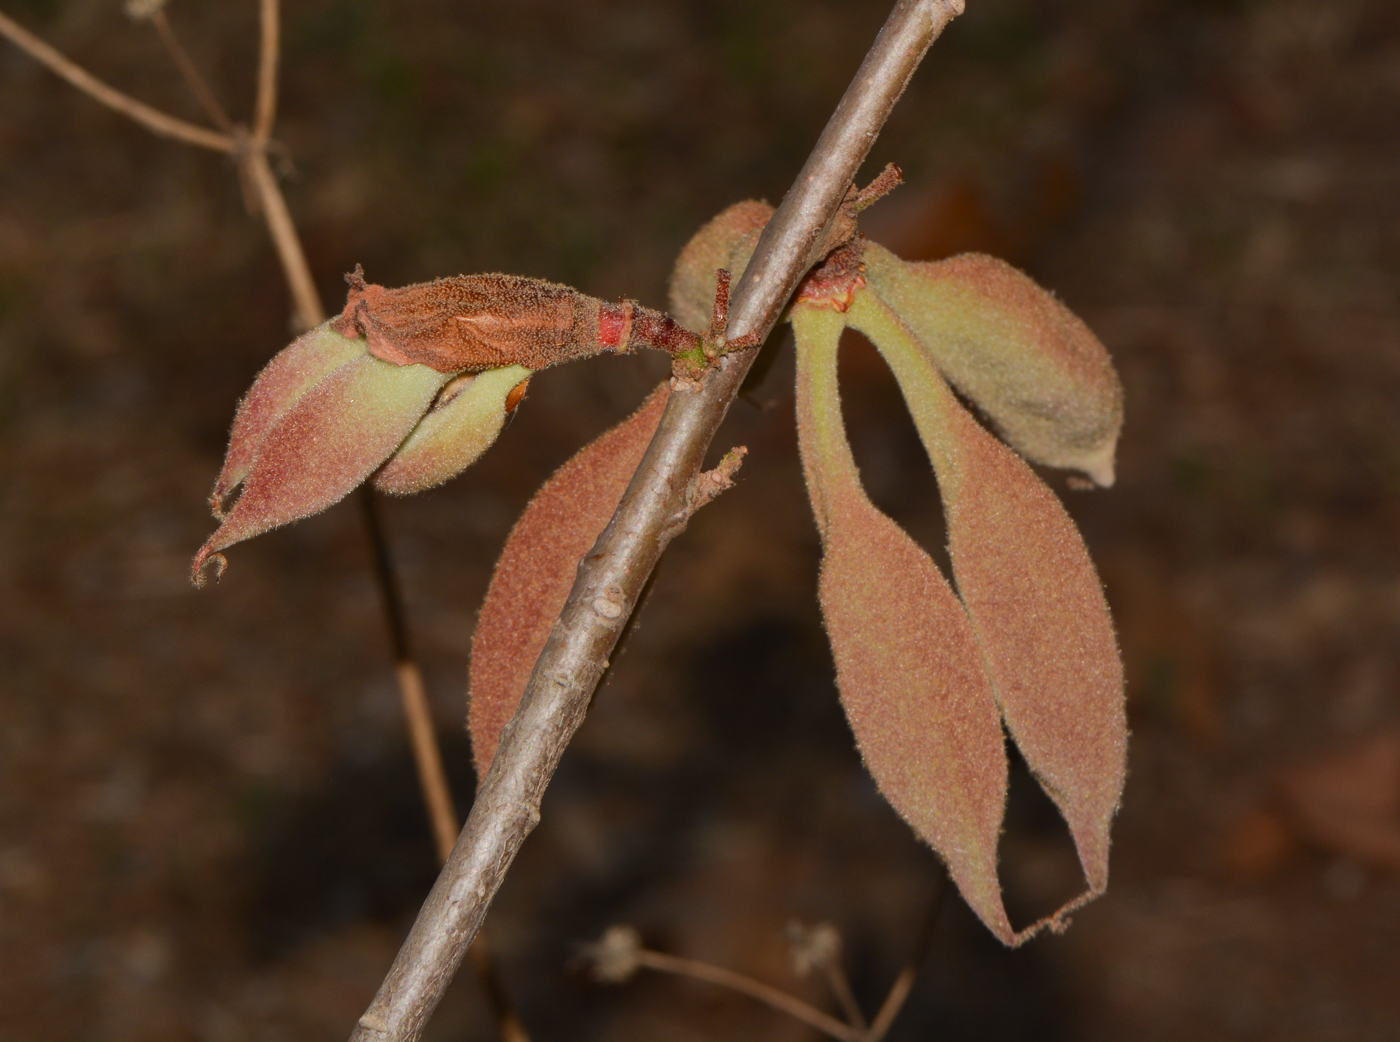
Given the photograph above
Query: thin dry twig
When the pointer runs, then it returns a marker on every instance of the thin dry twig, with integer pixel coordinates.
(306, 300)
(768, 995)
(841, 988)
(269, 49)
(652, 511)
(187, 68)
(619, 953)
(904, 983)
(257, 174)
(432, 778)
(150, 118)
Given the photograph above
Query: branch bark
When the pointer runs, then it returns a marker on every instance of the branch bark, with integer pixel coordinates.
(652, 512)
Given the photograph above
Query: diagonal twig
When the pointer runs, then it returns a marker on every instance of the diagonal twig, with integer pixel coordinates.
(181, 58)
(151, 118)
(651, 513)
(904, 982)
(768, 995)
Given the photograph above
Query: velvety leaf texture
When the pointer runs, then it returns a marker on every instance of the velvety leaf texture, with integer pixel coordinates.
(1026, 360)
(292, 372)
(325, 445)
(538, 565)
(727, 241)
(454, 433)
(1032, 594)
(908, 667)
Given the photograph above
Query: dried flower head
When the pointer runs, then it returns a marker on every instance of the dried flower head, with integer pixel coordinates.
(614, 957)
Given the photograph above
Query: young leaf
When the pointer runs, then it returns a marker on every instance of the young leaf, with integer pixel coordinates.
(726, 241)
(325, 445)
(1033, 597)
(537, 567)
(907, 663)
(292, 372)
(1026, 360)
(454, 432)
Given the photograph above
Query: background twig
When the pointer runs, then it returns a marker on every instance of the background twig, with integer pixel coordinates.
(651, 513)
(269, 49)
(181, 58)
(769, 996)
(152, 119)
(308, 311)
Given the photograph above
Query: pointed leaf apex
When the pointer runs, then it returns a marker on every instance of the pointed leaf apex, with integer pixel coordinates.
(1099, 465)
(908, 667)
(325, 445)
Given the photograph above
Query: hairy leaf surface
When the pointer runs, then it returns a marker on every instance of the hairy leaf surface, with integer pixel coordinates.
(538, 565)
(326, 444)
(283, 381)
(908, 667)
(454, 433)
(726, 241)
(1026, 360)
(1033, 596)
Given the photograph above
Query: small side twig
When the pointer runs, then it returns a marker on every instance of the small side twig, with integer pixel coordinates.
(432, 778)
(904, 983)
(619, 954)
(181, 58)
(308, 311)
(768, 995)
(819, 948)
(555, 701)
(306, 301)
(269, 50)
(152, 119)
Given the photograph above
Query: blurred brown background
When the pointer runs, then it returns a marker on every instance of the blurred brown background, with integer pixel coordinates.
(209, 826)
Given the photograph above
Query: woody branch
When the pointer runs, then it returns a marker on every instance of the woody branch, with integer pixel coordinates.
(612, 576)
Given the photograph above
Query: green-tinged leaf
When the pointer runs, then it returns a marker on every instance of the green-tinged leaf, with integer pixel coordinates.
(453, 433)
(907, 663)
(727, 241)
(292, 372)
(325, 445)
(1021, 356)
(538, 565)
(1033, 596)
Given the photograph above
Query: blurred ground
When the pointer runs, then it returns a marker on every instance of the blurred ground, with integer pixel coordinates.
(209, 828)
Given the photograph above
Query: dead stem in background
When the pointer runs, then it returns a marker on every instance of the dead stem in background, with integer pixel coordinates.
(767, 994)
(152, 119)
(308, 311)
(187, 68)
(619, 953)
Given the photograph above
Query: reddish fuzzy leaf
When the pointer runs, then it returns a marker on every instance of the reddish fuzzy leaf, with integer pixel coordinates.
(538, 565)
(1033, 596)
(292, 372)
(907, 662)
(325, 445)
(1026, 360)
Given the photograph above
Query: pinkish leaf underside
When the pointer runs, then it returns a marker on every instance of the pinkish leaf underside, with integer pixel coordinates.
(537, 567)
(908, 667)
